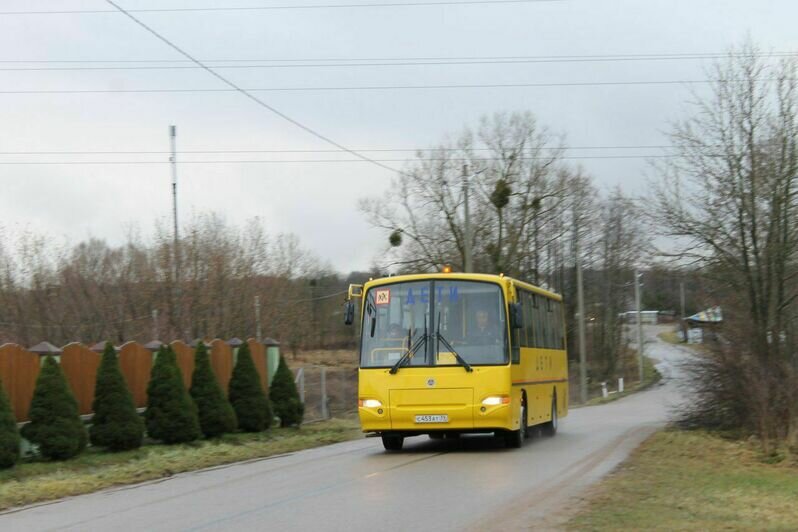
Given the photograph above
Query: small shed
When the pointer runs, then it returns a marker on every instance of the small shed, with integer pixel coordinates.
(703, 326)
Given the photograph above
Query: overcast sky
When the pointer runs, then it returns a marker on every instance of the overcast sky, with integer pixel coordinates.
(318, 201)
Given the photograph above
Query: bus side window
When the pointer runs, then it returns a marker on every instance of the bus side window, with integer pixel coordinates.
(528, 318)
(522, 338)
(516, 340)
(539, 334)
(548, 315)
(555, 325)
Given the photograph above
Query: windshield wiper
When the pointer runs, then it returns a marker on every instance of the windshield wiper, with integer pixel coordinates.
(410, 352)
(439, 337)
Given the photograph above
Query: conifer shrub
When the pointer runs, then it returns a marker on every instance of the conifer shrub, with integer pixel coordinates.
(55, 426)
(9, 435)
(216, 415)
(171, 414)
(115, 425)
(247, 396)
(285, 397)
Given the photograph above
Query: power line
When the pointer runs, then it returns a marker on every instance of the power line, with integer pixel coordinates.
(258, 64)
(246, 92)
(566, 58)
(365, 150)
(326, 161)
(277, 7)
(328, 296)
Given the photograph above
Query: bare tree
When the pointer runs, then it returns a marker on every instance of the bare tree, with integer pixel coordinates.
(730, 196)
(516, 190)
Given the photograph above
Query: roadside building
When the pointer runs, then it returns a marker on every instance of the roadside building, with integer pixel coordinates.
(703, 326)
(647, 317)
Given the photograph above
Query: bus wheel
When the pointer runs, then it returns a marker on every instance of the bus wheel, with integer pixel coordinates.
(550, 428)
(393, 443)
(514, 439)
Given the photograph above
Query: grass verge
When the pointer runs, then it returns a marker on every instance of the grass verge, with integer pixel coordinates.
(681, 480)
(671, 337)
(38, 481)
(650, 377)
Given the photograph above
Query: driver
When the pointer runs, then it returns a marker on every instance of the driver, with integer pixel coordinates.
(483, 332)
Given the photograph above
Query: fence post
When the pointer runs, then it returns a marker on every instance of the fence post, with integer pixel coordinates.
(324, 413)
(620, 384)
(604, 392)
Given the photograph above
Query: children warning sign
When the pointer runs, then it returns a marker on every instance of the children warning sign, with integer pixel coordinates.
(383, 296)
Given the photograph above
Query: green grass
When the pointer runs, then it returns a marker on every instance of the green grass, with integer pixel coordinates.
(37, 481)
(694, 481)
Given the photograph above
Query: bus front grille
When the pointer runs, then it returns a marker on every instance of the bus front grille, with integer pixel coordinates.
(457, 404)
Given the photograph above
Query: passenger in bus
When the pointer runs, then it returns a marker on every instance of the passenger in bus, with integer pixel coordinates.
(483, 332)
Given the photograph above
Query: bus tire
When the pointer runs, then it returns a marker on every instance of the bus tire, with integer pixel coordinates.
(393, 443)
(550, 428)
(514, 439)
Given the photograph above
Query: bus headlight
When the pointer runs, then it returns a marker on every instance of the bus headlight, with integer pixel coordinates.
(495, 400)
(369, 403)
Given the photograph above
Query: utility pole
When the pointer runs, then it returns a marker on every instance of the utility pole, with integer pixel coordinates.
(155, 324)
(682, 323)
(681, 294)
(176, 236)
(639, 324)
(468, 267)
(257, 318)
(580, 302)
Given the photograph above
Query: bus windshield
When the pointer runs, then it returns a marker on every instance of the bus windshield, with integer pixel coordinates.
(469, 316)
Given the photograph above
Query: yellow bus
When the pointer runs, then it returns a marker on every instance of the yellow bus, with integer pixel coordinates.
(451, 353)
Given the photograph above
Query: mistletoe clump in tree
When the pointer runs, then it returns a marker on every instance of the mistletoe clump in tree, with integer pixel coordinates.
(247, 396)
(55, 426)
(216, 415)
(116, 425)
(171, 413)
(9, 435)
(284, 396)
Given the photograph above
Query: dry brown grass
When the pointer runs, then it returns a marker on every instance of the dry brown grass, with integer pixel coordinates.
(694, 481)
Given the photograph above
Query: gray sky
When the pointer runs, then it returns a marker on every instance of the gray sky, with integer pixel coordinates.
(318, 201)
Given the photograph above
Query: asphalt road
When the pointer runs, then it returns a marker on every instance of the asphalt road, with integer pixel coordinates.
(471, 483)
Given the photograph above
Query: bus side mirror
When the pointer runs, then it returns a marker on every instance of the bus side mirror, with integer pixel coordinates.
(516, 316)
(349, 312)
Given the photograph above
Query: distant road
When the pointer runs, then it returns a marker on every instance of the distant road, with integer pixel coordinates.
(471, 483)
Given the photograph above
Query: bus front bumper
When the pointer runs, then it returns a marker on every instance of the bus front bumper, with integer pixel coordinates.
(423, 411)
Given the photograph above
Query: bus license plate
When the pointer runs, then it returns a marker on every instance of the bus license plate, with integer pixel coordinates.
(436, 418)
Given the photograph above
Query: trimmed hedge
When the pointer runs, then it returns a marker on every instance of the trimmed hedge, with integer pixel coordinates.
(9, 435)
(171, 414)
(285, 397)
(55, 426)
(116, 425)
(216, 415)
(247, 396)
